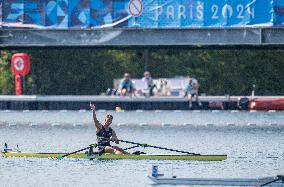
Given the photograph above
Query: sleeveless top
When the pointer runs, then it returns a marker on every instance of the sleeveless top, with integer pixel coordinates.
(103, 137)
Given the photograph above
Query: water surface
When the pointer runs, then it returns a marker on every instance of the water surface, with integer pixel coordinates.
(253, 151)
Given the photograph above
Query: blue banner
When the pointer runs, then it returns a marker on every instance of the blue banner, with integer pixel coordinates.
(0, 13)
(97, 14)
(278, 9)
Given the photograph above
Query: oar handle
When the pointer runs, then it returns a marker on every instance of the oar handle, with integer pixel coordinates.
(164, 148)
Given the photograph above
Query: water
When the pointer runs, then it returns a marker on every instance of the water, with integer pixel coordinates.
(253, 151)
(176, 118)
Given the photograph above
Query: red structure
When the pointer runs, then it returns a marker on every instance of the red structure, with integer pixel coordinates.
(20, 66)
(267, 104)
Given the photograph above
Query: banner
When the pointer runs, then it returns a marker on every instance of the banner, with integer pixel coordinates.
(0, 13)
(278, 9)
(97, 14)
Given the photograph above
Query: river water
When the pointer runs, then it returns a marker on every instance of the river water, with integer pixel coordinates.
(253, 141)
(141, 118)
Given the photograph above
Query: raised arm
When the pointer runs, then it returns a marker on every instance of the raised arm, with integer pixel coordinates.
(98, 125)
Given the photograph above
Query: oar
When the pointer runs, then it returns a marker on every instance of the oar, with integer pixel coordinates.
(131, 147)
(279, 177)
(60, 157)
(164, 148)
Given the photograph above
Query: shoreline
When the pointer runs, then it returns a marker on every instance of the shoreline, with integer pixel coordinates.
(81, 102)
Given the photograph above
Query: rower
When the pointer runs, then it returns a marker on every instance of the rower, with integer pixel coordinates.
(155, 171)
(6, 149)
(105, 134)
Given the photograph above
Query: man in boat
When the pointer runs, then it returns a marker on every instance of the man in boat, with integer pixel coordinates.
(105, 134)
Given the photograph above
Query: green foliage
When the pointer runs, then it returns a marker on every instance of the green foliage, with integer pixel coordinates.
(91, 71)
(6, 77)
(77, 71)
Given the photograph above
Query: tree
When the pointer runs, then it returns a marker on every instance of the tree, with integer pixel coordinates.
(6, 77)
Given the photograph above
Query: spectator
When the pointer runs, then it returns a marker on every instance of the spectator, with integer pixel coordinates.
(191, 90)
(126, 86)
(149, 82)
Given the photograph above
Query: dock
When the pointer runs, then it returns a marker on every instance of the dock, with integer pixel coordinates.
(80, 102)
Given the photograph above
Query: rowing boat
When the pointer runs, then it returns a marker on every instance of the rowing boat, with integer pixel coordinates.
(217, 181)
(112, 156)
(158, 178)
(7, 152)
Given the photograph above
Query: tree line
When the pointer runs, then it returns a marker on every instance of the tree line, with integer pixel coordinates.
(91, 71)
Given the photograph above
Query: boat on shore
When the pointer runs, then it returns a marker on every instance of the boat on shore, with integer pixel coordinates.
(82, 155)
